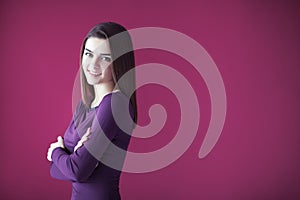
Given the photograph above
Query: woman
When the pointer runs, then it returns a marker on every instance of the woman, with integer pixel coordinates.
(89, 154)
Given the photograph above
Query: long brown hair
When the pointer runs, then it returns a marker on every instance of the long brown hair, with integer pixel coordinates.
(123, 61)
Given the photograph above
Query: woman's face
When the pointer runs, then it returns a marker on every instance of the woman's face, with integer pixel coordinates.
(96, 61)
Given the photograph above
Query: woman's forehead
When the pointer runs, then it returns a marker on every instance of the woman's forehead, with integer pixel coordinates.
(98, 45)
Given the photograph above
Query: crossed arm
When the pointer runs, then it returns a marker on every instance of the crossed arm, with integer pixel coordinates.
(60, 143)
(76, 166)
(80, 164)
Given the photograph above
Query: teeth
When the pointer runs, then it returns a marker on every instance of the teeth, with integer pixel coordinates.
(96, 74)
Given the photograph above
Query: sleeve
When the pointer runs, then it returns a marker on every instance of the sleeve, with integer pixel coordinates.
(79, 165)
(59, 172)
(56, 173)
(111, 131)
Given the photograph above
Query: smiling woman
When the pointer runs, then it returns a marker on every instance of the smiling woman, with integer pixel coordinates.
(102, 66)
(95, 63)
(97, 68)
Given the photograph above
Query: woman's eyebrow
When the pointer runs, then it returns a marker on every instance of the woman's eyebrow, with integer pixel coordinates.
(105, 54)
(88, 50)
(102, 54)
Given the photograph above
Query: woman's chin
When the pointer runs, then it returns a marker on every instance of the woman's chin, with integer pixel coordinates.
(93, 82)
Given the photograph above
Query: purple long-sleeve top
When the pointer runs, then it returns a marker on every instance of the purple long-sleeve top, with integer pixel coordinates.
(94, 168)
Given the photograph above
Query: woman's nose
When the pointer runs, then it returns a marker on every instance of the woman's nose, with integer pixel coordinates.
(94, 64)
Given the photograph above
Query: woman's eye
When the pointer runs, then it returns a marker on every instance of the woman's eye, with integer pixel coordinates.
(107, 59)
(88, 54)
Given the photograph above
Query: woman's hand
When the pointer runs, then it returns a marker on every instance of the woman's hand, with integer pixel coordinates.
(59, 143)
(83, 139)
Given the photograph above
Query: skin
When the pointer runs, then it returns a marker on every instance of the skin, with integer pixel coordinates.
(97, 68)
(96, 65)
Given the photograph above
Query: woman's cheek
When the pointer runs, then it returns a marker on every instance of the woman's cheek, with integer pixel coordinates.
(108, 73)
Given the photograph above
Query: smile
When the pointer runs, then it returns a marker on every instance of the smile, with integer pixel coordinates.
(95, 73)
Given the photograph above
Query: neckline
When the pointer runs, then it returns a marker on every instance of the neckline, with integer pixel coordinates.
(110, 93)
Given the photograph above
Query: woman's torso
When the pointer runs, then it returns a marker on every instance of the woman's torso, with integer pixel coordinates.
(104, 181)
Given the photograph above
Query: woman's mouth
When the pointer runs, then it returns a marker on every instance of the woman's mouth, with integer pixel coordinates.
(95, 73)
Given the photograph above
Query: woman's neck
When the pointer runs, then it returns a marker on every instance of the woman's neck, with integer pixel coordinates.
(101, 90)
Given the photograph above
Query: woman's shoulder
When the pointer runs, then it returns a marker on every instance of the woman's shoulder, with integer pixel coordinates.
(117, 101)
(116, 106)
(115, 98)
(80, 108)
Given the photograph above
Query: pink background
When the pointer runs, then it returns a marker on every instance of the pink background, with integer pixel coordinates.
(256, 48)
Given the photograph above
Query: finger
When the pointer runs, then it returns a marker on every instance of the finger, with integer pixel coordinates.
(88, 132)
(49, 156)
(50, 150)
(84, 139)
(59, 138)
(53, 145)
(79, 144)
(89, 129)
